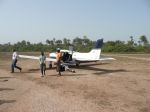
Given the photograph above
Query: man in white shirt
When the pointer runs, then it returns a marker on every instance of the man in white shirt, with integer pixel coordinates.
(42, 60)
(14, 61)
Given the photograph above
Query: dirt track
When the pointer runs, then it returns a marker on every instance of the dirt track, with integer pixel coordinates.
(116, 86)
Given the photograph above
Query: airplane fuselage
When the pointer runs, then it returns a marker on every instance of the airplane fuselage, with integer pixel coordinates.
(75, 58)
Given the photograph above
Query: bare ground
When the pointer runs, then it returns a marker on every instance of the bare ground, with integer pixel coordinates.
(116, 86)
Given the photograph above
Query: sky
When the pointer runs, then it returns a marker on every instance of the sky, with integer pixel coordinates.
(38, 20)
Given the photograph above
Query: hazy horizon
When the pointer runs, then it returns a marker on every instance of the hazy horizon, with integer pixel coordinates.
(36, 21)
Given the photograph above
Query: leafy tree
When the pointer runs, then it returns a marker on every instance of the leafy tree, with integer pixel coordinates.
(28, 43)
(54, 40)
(139, 42)
(68, 41)
(143, 39)
(77, 41)
(48, 42)
(58, 42)
(65, 41)
(131, 41)
(80, 44)
(85, 40)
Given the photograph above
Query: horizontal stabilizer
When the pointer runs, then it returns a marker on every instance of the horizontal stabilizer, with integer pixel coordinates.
(105, 59)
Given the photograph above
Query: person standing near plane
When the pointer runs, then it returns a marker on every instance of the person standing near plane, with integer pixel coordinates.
(42, 60)
(50, 63)
(58, 59)
(14, 61)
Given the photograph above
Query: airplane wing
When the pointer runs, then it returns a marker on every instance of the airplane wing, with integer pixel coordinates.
(36, 58)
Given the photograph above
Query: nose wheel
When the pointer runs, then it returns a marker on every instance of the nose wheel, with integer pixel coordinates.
(77, 64)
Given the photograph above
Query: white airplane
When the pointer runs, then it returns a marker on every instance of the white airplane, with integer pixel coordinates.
(75, 58)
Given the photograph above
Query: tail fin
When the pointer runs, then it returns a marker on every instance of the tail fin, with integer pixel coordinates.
(96, 51)
(99, 44)
(95, 54)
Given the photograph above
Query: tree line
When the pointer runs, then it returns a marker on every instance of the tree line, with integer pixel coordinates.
(83, 44)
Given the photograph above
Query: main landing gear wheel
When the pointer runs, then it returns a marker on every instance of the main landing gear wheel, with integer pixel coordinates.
(77, 64)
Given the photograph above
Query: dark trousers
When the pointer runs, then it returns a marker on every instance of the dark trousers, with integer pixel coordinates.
(58, 64)
(14, 62)
(43, 68)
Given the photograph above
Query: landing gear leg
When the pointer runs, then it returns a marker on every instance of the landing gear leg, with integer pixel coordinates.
(50, 65)
(77, 64)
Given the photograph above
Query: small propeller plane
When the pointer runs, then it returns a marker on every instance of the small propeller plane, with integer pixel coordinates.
(70, 57)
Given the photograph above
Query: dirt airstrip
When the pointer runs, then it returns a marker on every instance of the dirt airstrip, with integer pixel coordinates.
(122, 85)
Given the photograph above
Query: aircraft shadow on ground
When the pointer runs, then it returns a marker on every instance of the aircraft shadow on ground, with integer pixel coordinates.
(5, 80)
(73, 74)
(34, 69)
(38, 69)
(6, 101)
(100, 70)
(63, 74)
(24, 72)
(106, 71)
(6, 89)
(89, 64)
(6, 77)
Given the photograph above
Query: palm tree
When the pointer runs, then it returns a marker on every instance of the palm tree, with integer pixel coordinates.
(58, 42)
